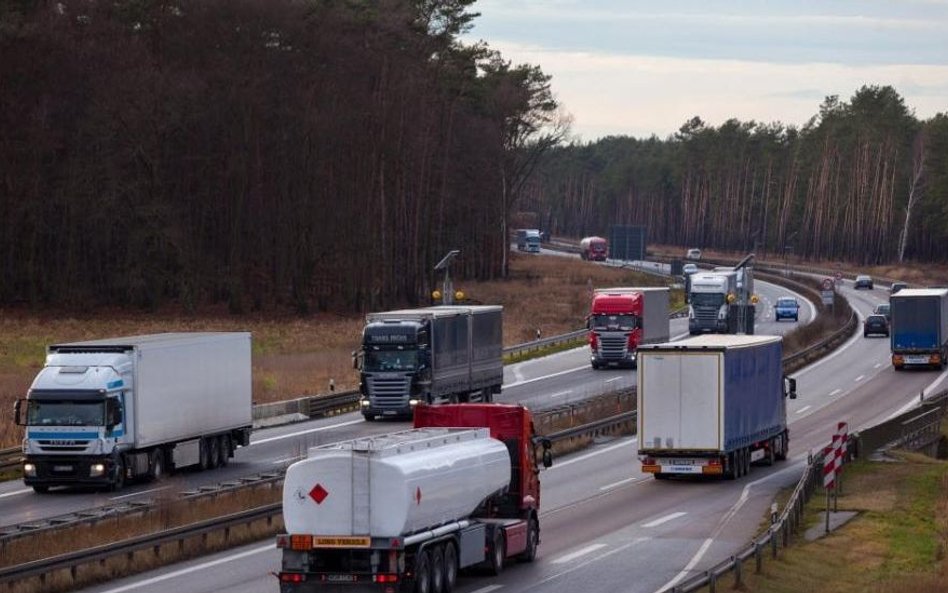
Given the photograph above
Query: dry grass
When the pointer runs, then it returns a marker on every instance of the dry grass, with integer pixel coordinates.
(896, 544)
(296, 356)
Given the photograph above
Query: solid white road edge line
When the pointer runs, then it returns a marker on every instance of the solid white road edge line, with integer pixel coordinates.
(624, 443)
(190, 569)
(302, 432)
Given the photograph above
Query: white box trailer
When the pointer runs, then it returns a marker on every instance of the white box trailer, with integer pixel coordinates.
(101, 411)
(712, 405)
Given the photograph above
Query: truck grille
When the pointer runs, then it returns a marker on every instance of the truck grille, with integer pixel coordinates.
(62, 446)
(389, 392)
(613, 346)
(706, 315)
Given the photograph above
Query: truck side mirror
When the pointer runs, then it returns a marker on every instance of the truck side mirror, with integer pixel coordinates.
(547, 453)
(791, 387)
(16, 412)
(357, 360)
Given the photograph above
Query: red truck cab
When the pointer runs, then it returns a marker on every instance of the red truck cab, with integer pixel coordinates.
(593, 249)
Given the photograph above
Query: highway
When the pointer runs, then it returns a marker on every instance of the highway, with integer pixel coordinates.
(603, 519)
(608, 527)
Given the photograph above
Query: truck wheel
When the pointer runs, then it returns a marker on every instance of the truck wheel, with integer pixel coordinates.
(156, 465)
(214, 452)
(769, 456)
(118, 482)
(437, 570)
(223, 450)
(369, 417)
(533, 540)
(41, 489)
(205, 455)
(747, 460)
(422, 573)
(495, 562)
(450, 567)
(783, 445)
(731, 472)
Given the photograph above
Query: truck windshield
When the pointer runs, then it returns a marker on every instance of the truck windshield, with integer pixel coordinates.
(390, 360)
(707, 299)
(66, 413)
(603, 321)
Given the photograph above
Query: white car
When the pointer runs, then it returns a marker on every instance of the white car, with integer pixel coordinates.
(693, 254)
(689, 269)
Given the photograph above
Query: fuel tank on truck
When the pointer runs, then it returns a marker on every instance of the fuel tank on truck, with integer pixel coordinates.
(394, 484)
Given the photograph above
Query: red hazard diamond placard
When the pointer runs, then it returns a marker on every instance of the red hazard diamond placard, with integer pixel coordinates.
(318, 493)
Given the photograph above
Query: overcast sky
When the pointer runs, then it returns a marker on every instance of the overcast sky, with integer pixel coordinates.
(630, 67)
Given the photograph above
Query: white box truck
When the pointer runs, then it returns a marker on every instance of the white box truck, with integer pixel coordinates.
(712, 405)
(104, 411)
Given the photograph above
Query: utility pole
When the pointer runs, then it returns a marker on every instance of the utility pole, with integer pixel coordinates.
(447, 289)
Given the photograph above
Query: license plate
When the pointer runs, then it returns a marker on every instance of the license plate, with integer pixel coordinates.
(388, 413)
(917, 359)
(682, 469)
(62, 468)
(342, 578)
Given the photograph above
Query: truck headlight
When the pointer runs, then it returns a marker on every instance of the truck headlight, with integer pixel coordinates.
(413, 402)
(364, 402)
(96, 470)
(29, 470)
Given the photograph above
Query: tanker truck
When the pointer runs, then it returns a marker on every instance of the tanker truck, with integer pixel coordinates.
(405, 511)
(443, 354)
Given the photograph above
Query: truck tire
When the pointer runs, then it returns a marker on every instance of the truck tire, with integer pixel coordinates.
(746, 453)
(369, 417)
(533, 540)
(781, 449)
(422, 573)
(40, 489)
(214, 452)
(731, 472)
(156, 465)
(118, 481)
(495, 558)
(205, 455)
(450, 567)
(437, 569)
(227, 450)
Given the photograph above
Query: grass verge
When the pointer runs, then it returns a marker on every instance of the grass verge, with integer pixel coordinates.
(896, 544)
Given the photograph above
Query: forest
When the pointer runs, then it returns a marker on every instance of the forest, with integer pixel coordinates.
(324, 155)
(315, 155)
(863, 181)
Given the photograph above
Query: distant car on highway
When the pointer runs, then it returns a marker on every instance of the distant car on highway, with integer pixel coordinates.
(688, 269)
(882, 309)
(897, 286)
(693, 254)
(863, 281)
(787, 308)
(875, 325)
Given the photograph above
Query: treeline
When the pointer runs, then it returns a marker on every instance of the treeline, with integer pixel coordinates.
(863, 181)
(317, 154)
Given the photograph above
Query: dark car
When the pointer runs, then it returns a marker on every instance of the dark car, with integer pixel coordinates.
(786, 308)
(897, 286)
(883, 309)
(875, 325)
(863, 281)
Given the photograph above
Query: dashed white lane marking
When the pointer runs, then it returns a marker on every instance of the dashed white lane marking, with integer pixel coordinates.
(859, 378)
(665, 519)
(15, 492)
(834, 392)
(612, 379)
(578, 553)
(617, 484)
(877, 365)
(138, 493)
(488, 589)
(803, 409)
(559, 393)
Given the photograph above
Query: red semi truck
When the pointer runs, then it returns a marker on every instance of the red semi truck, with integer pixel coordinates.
(593, 249)
(621, 319)
(404, 512)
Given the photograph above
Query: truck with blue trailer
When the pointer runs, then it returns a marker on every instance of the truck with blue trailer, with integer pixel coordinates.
(919, 328)
(712, 405)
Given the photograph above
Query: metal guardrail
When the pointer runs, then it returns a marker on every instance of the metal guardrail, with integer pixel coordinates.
(10, 458)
